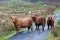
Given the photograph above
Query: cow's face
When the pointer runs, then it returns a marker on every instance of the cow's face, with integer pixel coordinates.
(33, 17)
(13, 18)
(50, 18)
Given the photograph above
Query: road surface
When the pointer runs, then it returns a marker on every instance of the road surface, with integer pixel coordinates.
(35, 35)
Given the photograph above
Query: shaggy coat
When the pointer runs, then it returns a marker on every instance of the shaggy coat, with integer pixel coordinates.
(22, 23)
(39, 20)
(50, 22)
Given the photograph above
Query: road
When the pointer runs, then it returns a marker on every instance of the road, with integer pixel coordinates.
(35, 35)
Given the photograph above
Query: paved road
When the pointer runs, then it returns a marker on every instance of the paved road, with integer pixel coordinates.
(35, 35)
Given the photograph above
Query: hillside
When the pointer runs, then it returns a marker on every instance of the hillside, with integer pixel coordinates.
(43, 0)
(29, 1)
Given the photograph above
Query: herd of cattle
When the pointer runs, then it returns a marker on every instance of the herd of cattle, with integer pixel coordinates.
(27, 22)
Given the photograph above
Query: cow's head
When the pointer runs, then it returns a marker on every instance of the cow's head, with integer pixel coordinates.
(13, 18)
(50, 17)
(33, 17)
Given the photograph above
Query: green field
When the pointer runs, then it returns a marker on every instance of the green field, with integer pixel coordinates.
(51, 36)
(7, 29)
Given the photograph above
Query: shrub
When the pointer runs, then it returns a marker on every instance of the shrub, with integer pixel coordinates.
(55, 32)
(58, 22)
(50, 36)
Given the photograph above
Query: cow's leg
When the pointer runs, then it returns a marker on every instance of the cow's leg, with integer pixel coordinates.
(31, 28)
(28, 29)
(53, 25)
(42, 27)
(17, 29)
(38, 27)
(48, 27)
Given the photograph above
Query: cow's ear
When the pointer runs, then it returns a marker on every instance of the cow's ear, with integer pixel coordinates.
(10, 17)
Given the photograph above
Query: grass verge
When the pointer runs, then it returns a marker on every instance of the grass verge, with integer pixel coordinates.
(50, 37)
(5, 36)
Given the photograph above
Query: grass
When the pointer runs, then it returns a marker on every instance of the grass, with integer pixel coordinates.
(25, 7)
(5, 36)
(55, 33)
(12, 32)
(58, 22)
(50, 37)
(58, 9)
(7, 30)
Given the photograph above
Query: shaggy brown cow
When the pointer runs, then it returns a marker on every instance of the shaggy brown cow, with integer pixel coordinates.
(22, 23)
(39, 20)
(50, 22)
